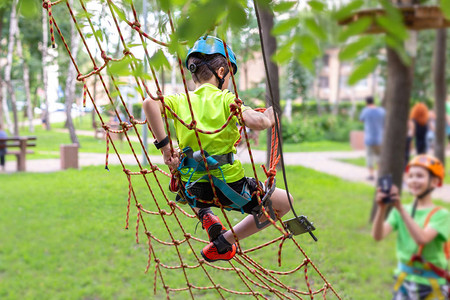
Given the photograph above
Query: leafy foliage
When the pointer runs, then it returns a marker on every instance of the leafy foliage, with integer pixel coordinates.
(311, 128)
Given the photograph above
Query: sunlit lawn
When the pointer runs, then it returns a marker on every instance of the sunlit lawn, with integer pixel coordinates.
(362, 163)
(48, 143)
(63, 237)
(307, 146)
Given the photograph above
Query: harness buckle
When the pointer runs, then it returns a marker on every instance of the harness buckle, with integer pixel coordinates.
(212, 163)
(266, 203)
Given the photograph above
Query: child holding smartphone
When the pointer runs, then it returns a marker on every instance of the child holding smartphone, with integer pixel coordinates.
(423, 231)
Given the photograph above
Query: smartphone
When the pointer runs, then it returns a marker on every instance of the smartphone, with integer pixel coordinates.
(385, 184)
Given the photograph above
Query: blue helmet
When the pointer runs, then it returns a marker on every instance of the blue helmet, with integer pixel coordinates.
(212, 45)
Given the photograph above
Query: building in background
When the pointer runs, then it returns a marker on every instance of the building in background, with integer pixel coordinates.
(331, 84)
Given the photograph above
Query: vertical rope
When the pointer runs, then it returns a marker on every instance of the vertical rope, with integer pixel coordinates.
(48, 5)
(128, 200)
(84, 92)
(107, 148)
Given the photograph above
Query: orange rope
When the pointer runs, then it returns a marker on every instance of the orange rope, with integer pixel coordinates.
(255, 279)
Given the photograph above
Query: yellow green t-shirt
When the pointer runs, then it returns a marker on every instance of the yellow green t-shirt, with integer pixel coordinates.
(211, 108)
(433, 251)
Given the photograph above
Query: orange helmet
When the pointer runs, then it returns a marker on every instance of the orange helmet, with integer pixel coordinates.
(430, 163)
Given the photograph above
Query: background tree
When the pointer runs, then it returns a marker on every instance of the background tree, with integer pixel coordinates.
(26, 79)
(44, 49)
(440, 89)
(2, 14)
(269, 43)
(13, 26)
(71, 81)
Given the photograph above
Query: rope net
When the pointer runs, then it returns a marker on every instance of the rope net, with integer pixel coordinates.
(173, 253)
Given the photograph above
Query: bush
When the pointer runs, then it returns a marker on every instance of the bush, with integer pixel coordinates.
(311, 107)
(315, 128)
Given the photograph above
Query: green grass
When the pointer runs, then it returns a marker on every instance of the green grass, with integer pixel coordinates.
(48, 144)
(361, 161)
(316, 146)
(63, 237)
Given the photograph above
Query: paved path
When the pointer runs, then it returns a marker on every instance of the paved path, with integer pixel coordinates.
(326, 162)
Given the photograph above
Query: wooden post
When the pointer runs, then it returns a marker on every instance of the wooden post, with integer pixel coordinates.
(21, 160)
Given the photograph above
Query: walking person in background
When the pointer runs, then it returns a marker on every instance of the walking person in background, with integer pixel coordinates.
(373, 118)
(431, 136)
(419, 115)
(3, 135)
(409, 138)
(447, 128)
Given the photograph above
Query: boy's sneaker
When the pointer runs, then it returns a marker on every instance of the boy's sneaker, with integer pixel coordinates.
(211, 223)
(211, 254)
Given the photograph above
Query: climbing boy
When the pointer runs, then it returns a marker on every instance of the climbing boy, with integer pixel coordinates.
(423, 229)
(211, 105)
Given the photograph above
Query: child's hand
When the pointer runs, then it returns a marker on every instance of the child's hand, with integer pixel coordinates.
(171, 158)
(394, 197)
(269, 114)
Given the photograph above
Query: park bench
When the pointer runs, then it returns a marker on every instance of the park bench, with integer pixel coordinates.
(22, 143)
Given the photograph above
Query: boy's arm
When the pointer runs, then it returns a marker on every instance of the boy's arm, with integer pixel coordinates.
(258, 121)
(421, 236)
(380, 228)
(153, 110)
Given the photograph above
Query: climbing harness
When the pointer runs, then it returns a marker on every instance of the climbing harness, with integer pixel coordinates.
(429, 270)
(195, 162)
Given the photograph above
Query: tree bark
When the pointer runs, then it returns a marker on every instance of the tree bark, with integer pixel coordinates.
(71, 82)
(440, 92)
(2, 12)
(270, 44)
(9, 60)
(26, 80)
(45, 113)
(335, 109)
(398, 93)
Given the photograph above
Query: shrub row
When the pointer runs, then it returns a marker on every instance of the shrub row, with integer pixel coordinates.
(310, 128)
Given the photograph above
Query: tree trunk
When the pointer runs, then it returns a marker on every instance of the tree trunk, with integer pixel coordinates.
(338, 88)
(440, 92)
(71, 82)
(9, 60)
(45, 113)
(26, 80)
(398, 93)
(2, 12)
(399, 85)
(272, 80)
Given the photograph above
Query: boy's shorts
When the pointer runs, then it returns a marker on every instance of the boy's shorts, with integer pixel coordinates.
(372, 155)
(411, 290)
(203, 191)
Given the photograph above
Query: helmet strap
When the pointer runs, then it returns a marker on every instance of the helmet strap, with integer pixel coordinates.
(421, 196)
(194, 67)
(221, 80)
